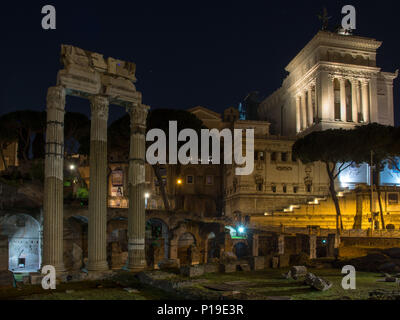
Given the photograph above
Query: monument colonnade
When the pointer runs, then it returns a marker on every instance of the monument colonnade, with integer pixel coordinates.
(307, 103)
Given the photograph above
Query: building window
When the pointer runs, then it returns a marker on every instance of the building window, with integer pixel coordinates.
(308, 188)
(393, 198)
(189, 179)
(274, 189)
(294, 158)
(273, 156)
(284, 156)
(259, 155)
(284, 189)
(259, 187)
(295, 189)
(209, 180)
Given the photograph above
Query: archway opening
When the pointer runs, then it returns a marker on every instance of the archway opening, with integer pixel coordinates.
(213, 249)
(241, 250)
(157, 237)
(185, 243)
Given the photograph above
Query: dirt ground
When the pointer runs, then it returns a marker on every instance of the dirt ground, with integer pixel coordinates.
(268, 284)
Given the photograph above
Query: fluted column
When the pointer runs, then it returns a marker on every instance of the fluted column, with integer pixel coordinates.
(136, 186)
(343, 106)
(303, 111)
(365, 100)
(53, 184)
(97, 233)
(355, 89)
(298, 114)
(310, 112)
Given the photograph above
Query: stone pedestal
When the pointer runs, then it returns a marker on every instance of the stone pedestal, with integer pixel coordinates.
(53, 183)
(97, 232)
(136, 186)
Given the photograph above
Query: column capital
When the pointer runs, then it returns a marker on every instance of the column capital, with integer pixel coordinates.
(138, 113)
(364, 82)
(355, 81)
(99, 106)
(331, 77)
(56, 98)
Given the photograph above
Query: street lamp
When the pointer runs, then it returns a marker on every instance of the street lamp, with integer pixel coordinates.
(71, 167)
(179, 181)
(146, 198)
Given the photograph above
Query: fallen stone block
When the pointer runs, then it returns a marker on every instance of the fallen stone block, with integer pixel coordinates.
(167, 264)
(228, 267)
(211, 268)
(298, 271)
(192, 271)
(284, 260)
(258, 263)
(317, 283)
(310, 278)
(322, 284)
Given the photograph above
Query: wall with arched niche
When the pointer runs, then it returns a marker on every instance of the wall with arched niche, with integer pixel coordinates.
(24, 242)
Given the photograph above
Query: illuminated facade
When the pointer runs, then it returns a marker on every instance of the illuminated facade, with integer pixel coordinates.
(334, 82)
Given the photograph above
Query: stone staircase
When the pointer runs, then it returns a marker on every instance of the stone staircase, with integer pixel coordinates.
(315, 211)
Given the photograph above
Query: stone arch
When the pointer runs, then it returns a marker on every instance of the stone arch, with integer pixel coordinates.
(157, 240)
(241, 249)
(117, 242)
(24, 242)
(75, 242)
(213, 247)
(185, 242)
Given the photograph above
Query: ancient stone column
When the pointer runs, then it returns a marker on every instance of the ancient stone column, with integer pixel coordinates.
(255, 245)
(97, 232)
(333, 244)
(303, 111)
(298, 114)
(313, 246)
(173, 249)
(280, 244)
(53, 184)
(310, 112)
(354, 102)
(299, 243)
(343, 112)
(136, 186)
(365, 100)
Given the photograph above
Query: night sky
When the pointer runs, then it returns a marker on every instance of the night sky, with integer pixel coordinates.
(187, 53)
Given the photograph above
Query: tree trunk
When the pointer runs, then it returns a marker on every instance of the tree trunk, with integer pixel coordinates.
(378, 190)
(339, 222)
(156, 169)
